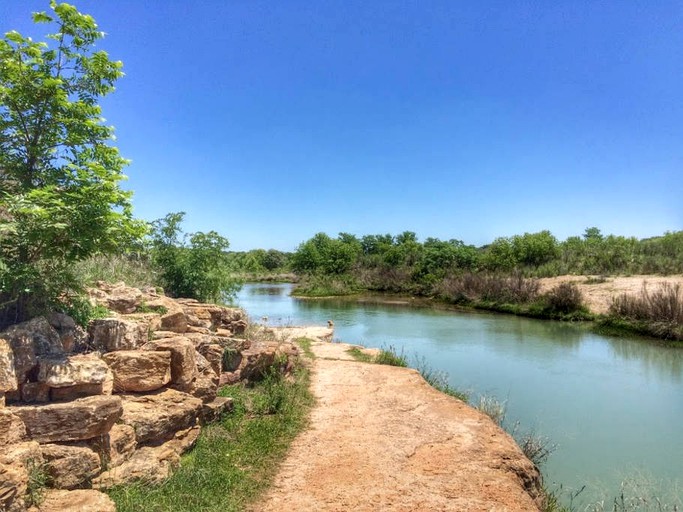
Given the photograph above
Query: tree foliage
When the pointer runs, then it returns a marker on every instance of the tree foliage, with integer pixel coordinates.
(60, 199)
(194, 265)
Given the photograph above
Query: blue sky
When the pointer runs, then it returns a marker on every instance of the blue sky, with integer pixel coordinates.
(271, 121)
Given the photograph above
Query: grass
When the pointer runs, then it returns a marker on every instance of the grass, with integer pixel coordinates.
(133, 271)
(326, 286)
(439, 380)
(361, 356)
(658, 314)
(235, 459)
(305, 344)
(387, 356)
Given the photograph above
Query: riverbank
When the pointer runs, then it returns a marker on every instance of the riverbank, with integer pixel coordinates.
(596, 296)
(381, 438)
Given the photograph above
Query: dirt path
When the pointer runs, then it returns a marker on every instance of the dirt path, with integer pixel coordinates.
(599, 295)
(381, 439)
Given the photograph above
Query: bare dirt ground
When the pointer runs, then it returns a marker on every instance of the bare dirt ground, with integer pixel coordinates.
(381, 439)
(598, 296)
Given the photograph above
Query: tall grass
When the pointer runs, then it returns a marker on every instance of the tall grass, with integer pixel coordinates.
(469, 287)
(234, 460)
(134, 271)
(658, 313)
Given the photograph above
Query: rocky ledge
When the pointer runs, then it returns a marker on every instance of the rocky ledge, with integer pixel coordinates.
(120, 401)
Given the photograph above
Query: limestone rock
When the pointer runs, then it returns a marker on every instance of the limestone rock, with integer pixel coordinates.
(257, 361)
(120, 298)
(80, 419)
(204, 386)
(72, 370)
(8, 376)
(30, 340)
(156, 417)
(151, 465)
(13, 485)
(81, 500)
(70, 466)
(16, 461)
(213, 353)
(139, 371)
(72, 336)
(121, 444)
(112, 334)
(183, 359)
(175, 321)
(12, 428)
(213, 410)
(184, 440)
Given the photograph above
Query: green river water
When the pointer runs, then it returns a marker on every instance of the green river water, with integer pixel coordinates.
(613, 406)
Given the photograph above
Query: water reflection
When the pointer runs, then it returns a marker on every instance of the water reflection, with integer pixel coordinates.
(610, 403)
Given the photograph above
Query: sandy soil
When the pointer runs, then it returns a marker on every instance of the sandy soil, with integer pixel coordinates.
(599, 296)
(382, 439)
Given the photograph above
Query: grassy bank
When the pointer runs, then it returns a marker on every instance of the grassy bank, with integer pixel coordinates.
(235, 459)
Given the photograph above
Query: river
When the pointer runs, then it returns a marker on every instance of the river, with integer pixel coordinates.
(613, 406)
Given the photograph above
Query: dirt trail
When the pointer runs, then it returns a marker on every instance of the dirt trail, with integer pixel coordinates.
(382, 439)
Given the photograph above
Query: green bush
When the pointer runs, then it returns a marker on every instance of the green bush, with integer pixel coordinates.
(192, 266)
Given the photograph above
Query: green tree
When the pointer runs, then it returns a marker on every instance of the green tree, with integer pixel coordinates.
(193, 266)
(60, 199)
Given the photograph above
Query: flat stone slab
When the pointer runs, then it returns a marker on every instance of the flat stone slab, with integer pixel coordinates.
(156, 417)
(78, 420)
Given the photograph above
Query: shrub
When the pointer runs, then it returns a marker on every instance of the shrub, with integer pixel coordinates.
(194, 265)
(564, 298)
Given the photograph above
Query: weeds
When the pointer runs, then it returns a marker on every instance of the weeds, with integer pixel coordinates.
(361, 356)
(38, 480)
(235, 459)
(305, 344)
(658, 313)
(390, 357)
(134, 271)
(493, 408)
(439, 380)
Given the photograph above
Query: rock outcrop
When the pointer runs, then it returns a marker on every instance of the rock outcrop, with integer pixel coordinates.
(120, 401)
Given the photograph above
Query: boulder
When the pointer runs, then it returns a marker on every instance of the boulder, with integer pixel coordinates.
(175, 321)
(257, 361)
(78, 391)
(72, 336)
(213, 410)
(112, 334)
(8, 376)
(12, 428)
(16, 463)
(81, 500)
(139, 371)
(184, 440)
(80, 419)
(29, 341)
(156, 417)
(13, 485)
(75, 370)
(69, 466)
(213, 353)
(183, 359)
(120, 444)
(204, 386)
(121, 298)
(149, 465)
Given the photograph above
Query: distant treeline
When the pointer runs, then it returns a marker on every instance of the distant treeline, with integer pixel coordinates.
(402, 263)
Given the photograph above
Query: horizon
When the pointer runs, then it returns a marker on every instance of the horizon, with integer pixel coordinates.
(270, 123)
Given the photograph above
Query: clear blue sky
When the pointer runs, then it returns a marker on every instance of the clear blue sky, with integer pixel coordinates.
(271, 121)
